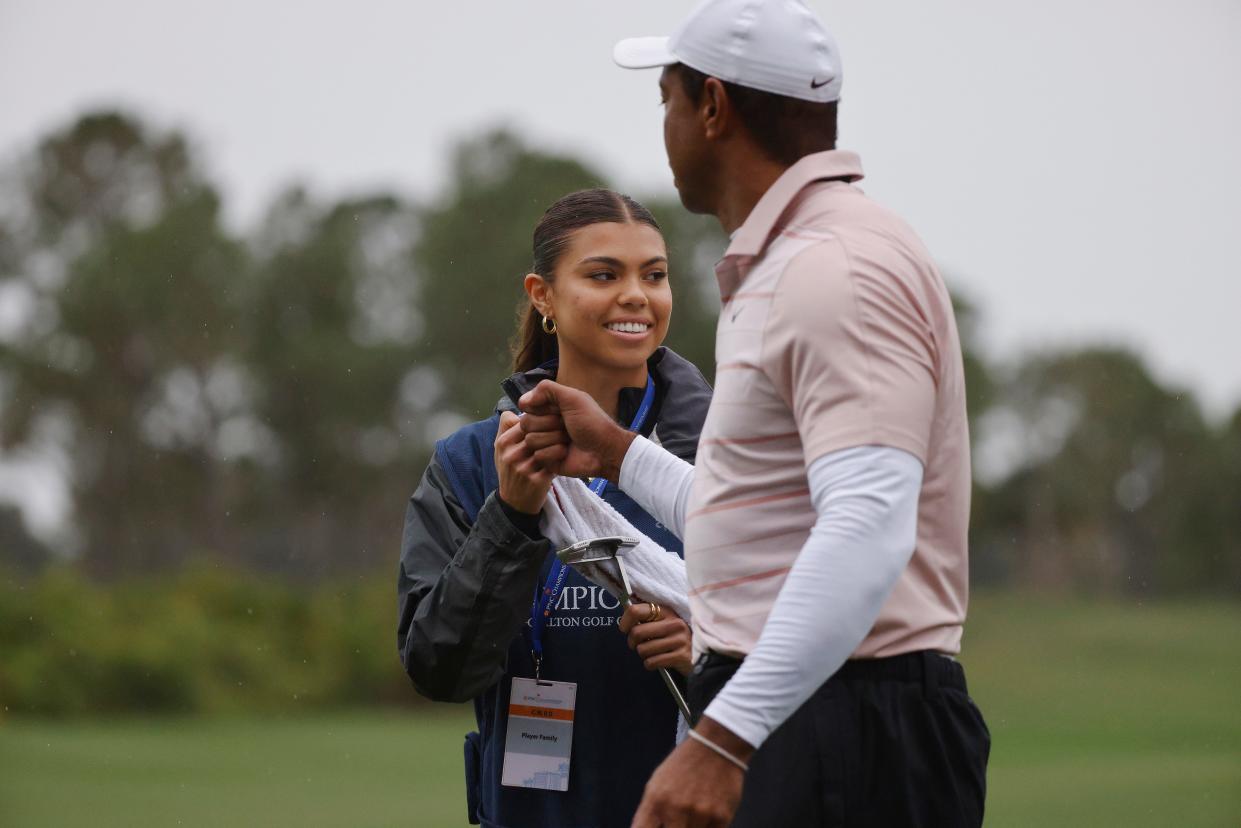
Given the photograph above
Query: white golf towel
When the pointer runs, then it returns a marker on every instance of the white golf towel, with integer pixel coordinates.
(574, 513)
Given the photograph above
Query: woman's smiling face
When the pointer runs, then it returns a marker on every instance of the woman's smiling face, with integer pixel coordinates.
(610, 297)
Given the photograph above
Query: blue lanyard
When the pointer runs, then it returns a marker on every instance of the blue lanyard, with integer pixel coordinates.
(545, 601)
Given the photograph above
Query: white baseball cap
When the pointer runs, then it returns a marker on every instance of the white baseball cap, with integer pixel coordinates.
(776, 46)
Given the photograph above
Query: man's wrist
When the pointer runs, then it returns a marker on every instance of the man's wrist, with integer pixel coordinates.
(725, 738)
(616, 454)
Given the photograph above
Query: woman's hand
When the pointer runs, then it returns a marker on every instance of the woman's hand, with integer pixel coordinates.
(662, 642)
(523, 482)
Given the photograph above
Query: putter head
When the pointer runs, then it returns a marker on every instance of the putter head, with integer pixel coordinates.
(594, 550)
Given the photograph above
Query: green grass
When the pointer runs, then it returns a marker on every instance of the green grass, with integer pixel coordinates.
(340, 770)
(1101, 715)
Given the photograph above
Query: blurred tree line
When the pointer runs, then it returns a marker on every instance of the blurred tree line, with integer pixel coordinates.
(267, 399)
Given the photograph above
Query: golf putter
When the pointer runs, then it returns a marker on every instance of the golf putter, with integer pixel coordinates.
(597, 550)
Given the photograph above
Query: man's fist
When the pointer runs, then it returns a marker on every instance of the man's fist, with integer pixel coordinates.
(566, 431)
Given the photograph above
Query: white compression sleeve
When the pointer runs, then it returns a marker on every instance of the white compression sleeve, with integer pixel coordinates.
(658, 481)
(867, 504)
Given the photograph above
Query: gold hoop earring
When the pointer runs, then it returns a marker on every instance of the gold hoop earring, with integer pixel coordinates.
(549, 326)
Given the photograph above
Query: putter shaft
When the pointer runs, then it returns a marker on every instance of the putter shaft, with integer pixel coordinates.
(663, 671)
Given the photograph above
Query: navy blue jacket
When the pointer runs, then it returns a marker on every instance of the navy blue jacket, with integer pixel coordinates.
(467, 580)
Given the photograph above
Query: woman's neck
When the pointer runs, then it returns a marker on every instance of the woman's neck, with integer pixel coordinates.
(604, 386)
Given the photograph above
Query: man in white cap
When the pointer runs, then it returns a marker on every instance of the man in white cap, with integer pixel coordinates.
(825, 520)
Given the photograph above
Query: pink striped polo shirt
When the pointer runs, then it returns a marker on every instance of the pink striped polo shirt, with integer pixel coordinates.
(836, 331)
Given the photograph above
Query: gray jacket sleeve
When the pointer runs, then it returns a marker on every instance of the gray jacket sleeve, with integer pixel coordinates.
(464, 592)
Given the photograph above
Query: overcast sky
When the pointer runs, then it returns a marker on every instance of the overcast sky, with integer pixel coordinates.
(1073, 165)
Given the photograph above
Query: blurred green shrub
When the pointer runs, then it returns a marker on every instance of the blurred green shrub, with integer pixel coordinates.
(207, 641)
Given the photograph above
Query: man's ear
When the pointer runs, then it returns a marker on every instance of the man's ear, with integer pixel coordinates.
(539, 291)
(714, 108)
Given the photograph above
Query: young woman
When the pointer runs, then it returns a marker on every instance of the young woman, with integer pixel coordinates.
(478, 593)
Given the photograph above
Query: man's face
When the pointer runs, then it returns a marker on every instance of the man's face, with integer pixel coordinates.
(688, 151)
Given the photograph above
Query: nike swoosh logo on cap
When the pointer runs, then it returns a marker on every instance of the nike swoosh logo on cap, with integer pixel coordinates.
(814, 85)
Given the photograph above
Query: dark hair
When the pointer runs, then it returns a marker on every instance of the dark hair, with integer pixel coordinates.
(532, 345)
(785, 128)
